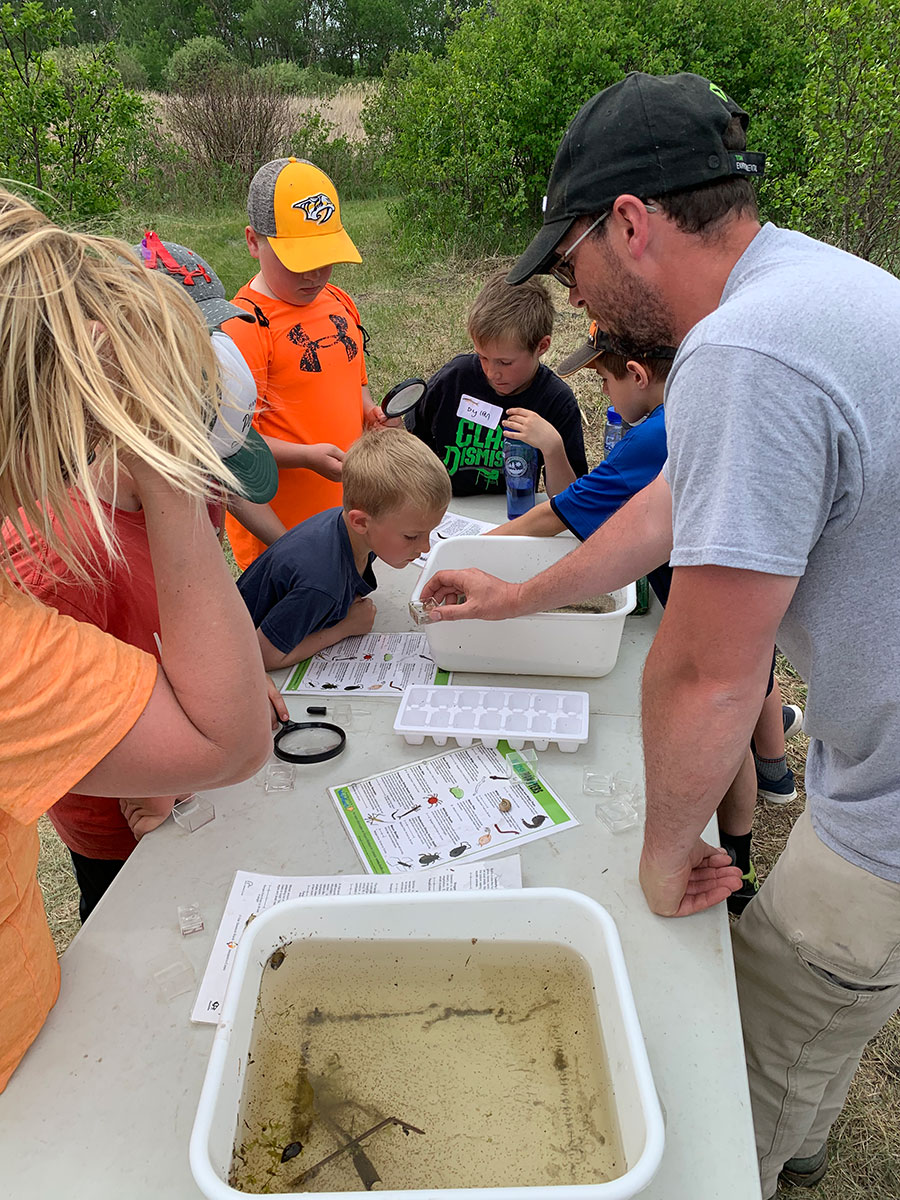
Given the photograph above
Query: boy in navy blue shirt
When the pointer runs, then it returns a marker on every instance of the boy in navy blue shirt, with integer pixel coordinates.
(311, 587)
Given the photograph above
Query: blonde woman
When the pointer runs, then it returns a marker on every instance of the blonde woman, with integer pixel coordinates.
(99, 360)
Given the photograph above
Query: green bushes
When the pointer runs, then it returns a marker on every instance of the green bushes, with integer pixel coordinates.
(848, 188)
(468, 139)
(352, 165)
(199, 65)
(282, 75)
(67, 124)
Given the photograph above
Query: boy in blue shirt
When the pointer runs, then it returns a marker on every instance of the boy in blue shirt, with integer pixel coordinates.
(311, 588)
(636, 387)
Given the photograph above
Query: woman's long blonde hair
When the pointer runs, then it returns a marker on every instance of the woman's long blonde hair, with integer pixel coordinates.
(99, 357)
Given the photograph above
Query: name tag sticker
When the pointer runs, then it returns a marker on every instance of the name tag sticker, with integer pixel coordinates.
(479, 411)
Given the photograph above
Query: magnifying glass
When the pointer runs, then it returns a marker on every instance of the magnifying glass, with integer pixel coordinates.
(403, 397)
(309, 741)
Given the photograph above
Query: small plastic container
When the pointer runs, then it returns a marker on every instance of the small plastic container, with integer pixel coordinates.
(550, 643)
(617, 813)
(173, 976)
(193, 813)
(596, 783)
(190, 919)
(279, 777)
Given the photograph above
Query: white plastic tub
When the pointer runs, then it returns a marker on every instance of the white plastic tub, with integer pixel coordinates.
(550, 915)
(585, 645)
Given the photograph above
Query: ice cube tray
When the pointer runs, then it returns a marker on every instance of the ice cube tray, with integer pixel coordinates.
(517, 715)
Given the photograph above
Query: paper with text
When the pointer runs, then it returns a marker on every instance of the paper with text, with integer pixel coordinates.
(253, 894)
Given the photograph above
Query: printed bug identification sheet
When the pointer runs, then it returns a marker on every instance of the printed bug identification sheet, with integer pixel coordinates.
(371, 664)
(461, 805)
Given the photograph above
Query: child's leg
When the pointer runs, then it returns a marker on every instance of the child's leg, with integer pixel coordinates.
(775, 780)
(735, 816)
(768, 736)
(735, 812)
(93, 875)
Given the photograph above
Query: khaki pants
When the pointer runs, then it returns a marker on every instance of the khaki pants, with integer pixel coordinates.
(817, 955)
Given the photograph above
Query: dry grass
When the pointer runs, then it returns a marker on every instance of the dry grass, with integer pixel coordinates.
(417, 322)
(342, 110)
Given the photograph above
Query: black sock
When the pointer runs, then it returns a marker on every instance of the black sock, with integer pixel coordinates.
(738, 846)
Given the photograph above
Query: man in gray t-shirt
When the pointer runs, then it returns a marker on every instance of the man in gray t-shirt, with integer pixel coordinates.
(778, 509)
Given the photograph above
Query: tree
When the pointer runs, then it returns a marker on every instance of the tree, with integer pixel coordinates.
(30, 94)
(848, 191)
(76, 116)
(468, 138)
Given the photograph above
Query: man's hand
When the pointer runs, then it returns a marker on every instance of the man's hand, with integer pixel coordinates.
(326, 460)
(148, 813)
(705, 878)
(276, 703)
(360, 617)
(484, 597)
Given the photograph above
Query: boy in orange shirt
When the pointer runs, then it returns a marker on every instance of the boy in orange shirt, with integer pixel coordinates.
(306, 348)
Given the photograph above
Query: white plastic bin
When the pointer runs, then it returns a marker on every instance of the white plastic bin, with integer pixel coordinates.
(585, 645)
(551, 915)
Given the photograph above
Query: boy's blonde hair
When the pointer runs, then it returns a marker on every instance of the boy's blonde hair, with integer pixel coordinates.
(99, 358)
(387, 468)
(522, 314)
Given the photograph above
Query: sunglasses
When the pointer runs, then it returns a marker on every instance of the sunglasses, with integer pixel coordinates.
(562, 270)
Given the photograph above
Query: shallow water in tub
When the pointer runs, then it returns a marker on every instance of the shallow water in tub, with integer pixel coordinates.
(491, 1049)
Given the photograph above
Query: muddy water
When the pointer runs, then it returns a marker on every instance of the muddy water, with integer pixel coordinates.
(491, 1049)
(597, 604)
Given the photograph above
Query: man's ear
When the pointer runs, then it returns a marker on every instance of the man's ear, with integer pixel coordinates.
(630, 219)
(638, 373)
(357, 520)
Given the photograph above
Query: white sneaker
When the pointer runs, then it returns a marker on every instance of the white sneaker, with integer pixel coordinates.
(792, 717)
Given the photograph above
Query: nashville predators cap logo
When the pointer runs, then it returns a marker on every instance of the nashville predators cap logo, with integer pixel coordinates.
(318, 208)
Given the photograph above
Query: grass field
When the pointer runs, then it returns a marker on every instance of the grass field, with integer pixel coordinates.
(415, 313)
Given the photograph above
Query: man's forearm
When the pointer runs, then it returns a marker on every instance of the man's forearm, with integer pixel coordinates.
(632, 542)
(696, 730)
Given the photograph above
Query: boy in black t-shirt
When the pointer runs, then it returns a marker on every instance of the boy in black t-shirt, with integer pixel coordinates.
(502, 389)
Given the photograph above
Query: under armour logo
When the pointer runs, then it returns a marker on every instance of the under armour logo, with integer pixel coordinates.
(309, 360)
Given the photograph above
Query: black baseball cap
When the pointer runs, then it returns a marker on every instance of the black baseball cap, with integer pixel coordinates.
(598, 343)
(647, 135)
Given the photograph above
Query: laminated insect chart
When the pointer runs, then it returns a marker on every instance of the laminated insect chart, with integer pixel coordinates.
(464, 804)
(371, 664)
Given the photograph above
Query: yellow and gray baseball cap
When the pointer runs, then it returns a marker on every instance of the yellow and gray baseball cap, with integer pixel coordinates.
(295, 207)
